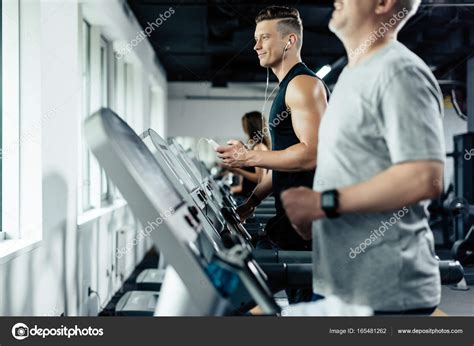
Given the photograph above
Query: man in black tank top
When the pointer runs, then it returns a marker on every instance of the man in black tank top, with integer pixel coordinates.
(293, 122)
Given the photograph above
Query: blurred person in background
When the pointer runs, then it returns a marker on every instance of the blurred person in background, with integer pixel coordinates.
(253, 125)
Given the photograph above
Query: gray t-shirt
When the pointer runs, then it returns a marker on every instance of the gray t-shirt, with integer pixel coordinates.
(383, 112)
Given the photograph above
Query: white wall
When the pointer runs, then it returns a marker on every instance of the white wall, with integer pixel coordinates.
(217, 115)
(197, 110)
(52, 277)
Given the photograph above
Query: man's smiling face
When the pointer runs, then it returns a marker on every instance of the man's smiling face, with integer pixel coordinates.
(269, 43)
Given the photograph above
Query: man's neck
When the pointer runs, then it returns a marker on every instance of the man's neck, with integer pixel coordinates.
(285, 66)
(357, 49)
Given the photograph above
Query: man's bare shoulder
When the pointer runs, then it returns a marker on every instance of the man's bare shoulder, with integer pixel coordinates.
(303, 86)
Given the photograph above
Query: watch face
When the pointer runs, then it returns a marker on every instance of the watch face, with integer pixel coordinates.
(328, 201)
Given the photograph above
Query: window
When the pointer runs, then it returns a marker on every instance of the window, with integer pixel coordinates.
(104, 79)
(10, 119)
(21, 120)
(120, 86)
(113, 81)
(128, 97)
(104, 73)
(158, 111)
(95, 188)
(124, 79)
(104, 98)
(85, 182)
(119, 103)
(2, 234)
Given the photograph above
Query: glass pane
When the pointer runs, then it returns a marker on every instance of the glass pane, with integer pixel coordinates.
(104, 76)
(1, 117)
(104, 184)
(85, 184)
(125, 91)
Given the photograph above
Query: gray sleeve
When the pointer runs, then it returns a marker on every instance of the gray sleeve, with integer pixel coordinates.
(411, 111)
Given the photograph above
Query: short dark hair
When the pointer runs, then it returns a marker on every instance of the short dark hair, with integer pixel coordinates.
(290, 20)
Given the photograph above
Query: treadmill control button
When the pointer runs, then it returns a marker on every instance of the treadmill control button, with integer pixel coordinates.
(194, 212)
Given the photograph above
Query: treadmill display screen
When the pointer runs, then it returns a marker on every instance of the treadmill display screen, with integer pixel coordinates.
(145, 163)
(171, 161)
(185, 162)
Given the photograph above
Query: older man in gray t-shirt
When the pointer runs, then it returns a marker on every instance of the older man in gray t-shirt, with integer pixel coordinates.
(393, 116)
(380, 157)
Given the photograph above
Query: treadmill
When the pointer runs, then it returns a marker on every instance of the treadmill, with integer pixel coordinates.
(203, 277)
(285, 268)
(214, 191)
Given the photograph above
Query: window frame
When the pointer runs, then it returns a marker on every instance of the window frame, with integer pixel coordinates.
(22, 119)
(105, 102)
(10, 155)
(100, 89)
(95, 191)
(2, 234)
(85, 177)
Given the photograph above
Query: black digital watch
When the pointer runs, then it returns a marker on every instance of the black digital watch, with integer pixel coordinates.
(330, 203)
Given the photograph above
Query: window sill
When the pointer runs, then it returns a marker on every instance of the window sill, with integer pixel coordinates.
(11, 248)
(94, 214)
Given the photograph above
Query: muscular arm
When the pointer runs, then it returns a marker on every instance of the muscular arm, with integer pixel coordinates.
(306, 97)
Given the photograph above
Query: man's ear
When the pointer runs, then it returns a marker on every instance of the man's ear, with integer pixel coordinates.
(292, 39)
(385, 6)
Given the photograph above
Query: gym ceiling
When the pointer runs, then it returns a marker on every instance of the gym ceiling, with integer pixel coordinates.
(212, 40)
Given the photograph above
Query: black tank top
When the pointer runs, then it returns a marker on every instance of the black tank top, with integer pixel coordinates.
(283, 136)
